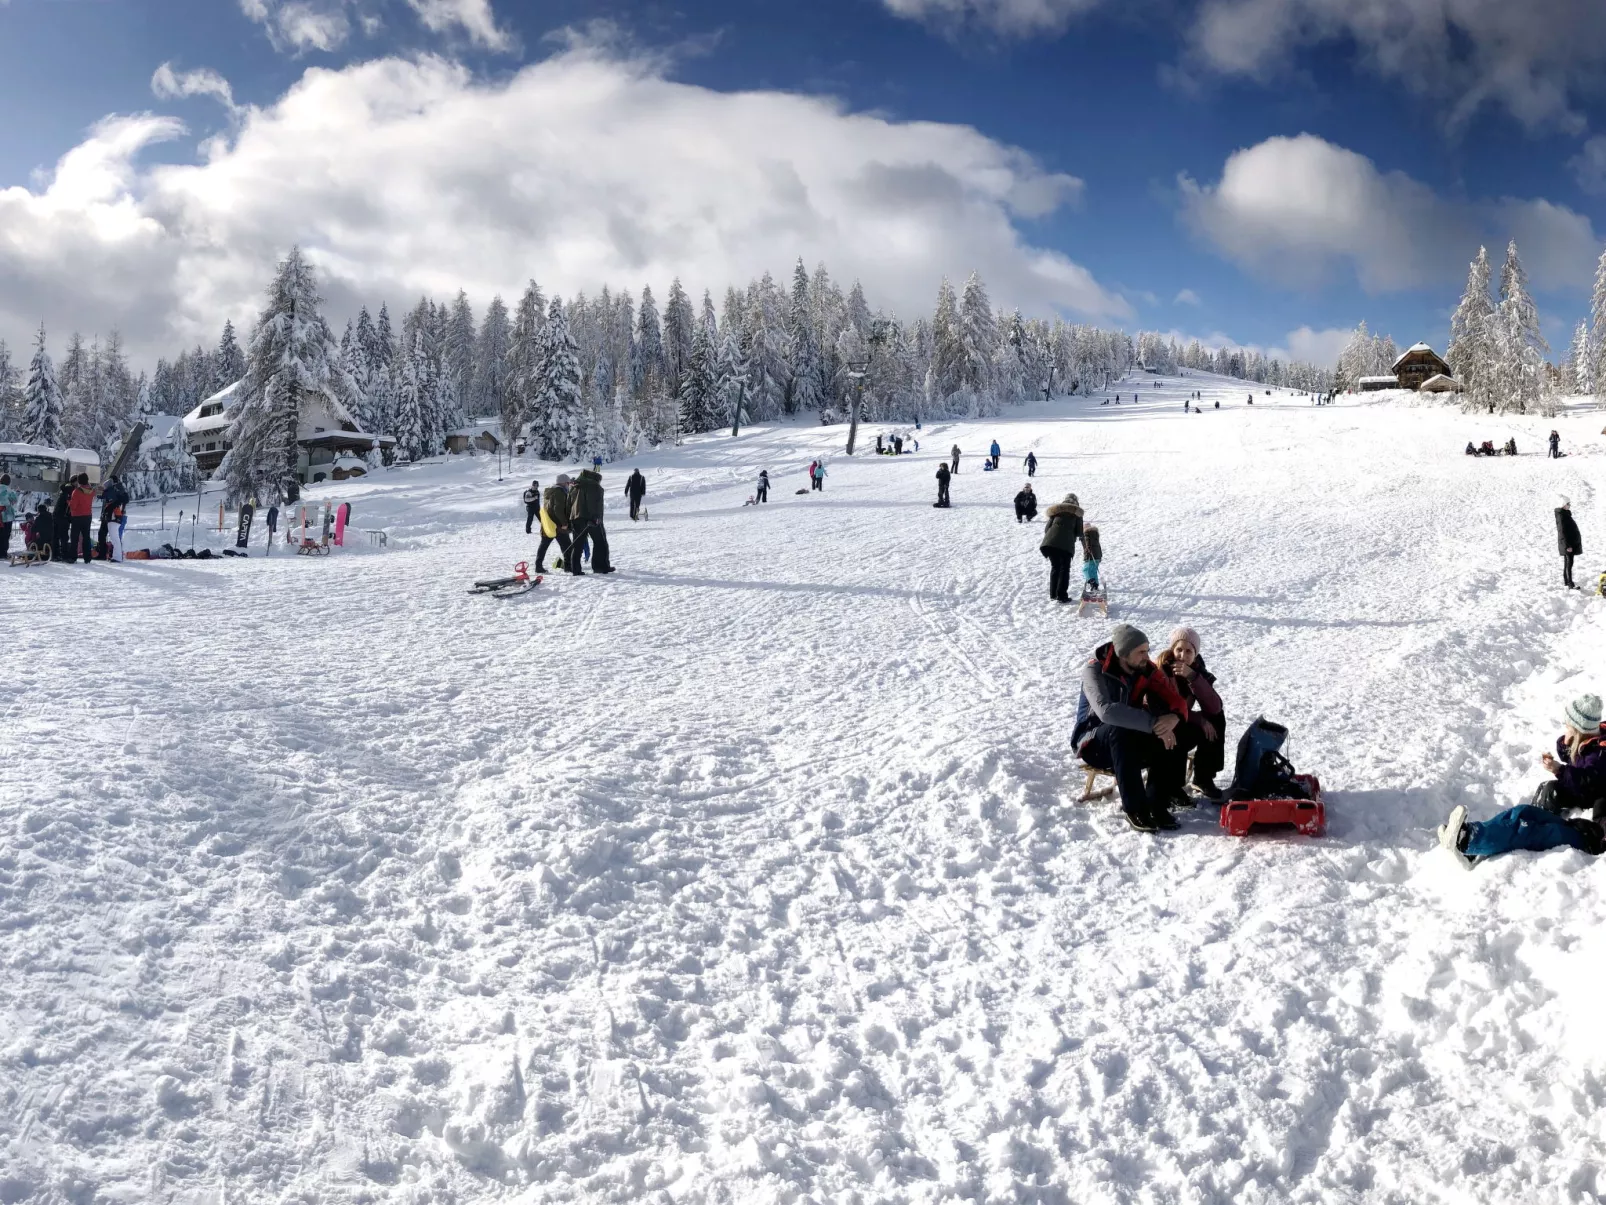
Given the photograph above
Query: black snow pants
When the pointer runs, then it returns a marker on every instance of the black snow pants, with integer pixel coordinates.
(546, 542)
(942, 493)
(79, 540)
(532, 511)
(1567, 570)
(5, 540)
(635, 506)
(763, 494)
(1126, 753)
(1209, 756)
(1059, 574)
(593, 531)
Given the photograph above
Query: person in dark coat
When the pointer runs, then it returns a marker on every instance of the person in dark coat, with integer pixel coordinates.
(1181, 662)
(1555, 445)
(62, 514)
(955, 456)
(635, 491)
(585, 517)
(1060, 533)
(113, 497)
(1568, 540)
(1031, 464)
(942, 486)
(554, 523)
(1129, 719)
(1025, 505)
(763, 494)
(532, 506)
(39, 534)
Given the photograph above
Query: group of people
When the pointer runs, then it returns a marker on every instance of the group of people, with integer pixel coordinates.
(62, 532)
(1487, 448)
(892, 445)
(571, 515)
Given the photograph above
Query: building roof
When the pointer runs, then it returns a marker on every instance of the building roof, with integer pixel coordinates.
(1379, 380)
(1417, 349)
(1441, 384)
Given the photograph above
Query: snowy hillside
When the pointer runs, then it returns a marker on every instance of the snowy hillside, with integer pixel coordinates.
(753, 872)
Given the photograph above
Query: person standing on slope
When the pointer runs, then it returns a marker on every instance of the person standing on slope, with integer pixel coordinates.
(532, 506)
(817, 475)
(1060, 533)
(1031, 464)
(81, 506)
(996, 452)
(113, 497)
(954, 467)
(1568, 540)
(763, 494)
(586, 513)
(8, 514)
(635, 491)
(942, 486)
(554, 523)
(1128, 720)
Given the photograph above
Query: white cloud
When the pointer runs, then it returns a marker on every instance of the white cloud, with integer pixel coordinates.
(1589, 166)
(168, 84)
(1529, 56)
(1186, 297)
(297, 26)
(1294, 210)
(473, 17)
(403, 177)
(1314, 347)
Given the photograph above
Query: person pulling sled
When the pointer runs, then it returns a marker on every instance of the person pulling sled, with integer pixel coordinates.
(1060, 534)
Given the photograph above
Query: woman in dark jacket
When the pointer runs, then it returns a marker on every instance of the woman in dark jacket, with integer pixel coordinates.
(1060, 534)
(1568, 541)
(1181, 662)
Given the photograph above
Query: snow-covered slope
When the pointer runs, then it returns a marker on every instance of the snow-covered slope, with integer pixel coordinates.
(753, 873)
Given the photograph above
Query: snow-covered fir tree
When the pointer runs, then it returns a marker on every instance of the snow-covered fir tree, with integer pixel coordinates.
(10, 396)
(228, 362)
(699, 389)
(731, 383)
(490, 360)
(978, 337)
(1520, 367)
(1597, 340)
(292, 362)
(1471, 350)
(557, 420)
(679, 323)
(415, 386)
(523, 359)
(42, 403)
(1579, 375)
(806, 376)
(765, 350)
(947, 345)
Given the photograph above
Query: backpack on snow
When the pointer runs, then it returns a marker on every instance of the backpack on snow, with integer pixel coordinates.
(1261, 771)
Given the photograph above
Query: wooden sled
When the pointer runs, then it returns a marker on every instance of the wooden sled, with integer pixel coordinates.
(32, 556)
(1100, 599)
(1091, 793)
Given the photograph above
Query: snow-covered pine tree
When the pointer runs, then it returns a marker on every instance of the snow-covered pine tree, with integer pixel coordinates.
(292, 361)
(765, 350)
(1526, 384)
(978, 337)
(414, 390)
(947, 346)
(679, 324)
(647, 369)
(523, 359)
(806, 390)
(228, 362)
(490, 360)
(1471, 333)
(699, 405)
(1597, 339)
(1580, 374)
(42, 402)
(558, 413)
(10, 396)
(732, 388)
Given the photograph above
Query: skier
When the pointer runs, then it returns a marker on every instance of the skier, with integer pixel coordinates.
(996, 452)
(1579, 767)
(955, 455)
(555, 524)
(1060, 533)
(1182, 663)
(635, 490)
(942, 486)
(1555, 445)
(1031, 464)
(1128, 720)
(532, 506)
(817, 475)
(1568, 540)
(1025, 504)
(8, 514)
(81, 507)
(586, 514)
(763, 494)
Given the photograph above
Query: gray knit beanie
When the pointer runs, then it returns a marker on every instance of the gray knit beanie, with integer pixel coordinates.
(1127, 638)
(1583, 713)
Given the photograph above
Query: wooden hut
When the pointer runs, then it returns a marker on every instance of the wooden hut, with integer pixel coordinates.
(1418, 365)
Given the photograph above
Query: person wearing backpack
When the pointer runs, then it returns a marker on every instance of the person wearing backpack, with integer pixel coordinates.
(1579, 769)
(1569, 540)
(1061, 530)
(8, 514)
(554, 523)
(532, 505)
(1182, 663)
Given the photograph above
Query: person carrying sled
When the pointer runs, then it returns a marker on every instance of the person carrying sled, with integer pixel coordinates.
(1060, 533)
(1555, 445)
(1031, 464)
(1129, 719)
(1568, 540)
(8, 514)
(554, 523)
(1181, 662)
(763, 494)
(996, 452)
(1026, 505)
(635, 491)
(532, 506)
(585, 516)
(1579, 767)
(943, 475)
(954, 455)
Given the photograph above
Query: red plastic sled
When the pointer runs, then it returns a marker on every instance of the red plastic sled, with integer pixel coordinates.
(1306, 816)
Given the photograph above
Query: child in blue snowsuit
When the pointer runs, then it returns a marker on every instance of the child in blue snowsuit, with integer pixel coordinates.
(1579, 766)
(1092, 555)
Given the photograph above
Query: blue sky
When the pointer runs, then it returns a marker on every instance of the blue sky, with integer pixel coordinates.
(1406, 162)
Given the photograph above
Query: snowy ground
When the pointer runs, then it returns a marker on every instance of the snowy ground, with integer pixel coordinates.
(753, 873)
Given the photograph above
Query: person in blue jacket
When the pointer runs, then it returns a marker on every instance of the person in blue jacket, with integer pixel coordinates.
(996, 452)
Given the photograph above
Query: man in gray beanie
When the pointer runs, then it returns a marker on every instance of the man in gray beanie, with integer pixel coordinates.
(1128, 720)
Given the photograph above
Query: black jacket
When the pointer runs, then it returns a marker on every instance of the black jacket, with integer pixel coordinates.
(1064, 527)
(636, 487)
(942, 473)
(1568, 540)
(585, 497)
(113, 496)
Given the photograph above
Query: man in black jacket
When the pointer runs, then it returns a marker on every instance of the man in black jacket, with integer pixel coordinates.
(532, 505)
(113, 497)
(585, 515)
(1568, 540)
(635, 490)
(942, 485)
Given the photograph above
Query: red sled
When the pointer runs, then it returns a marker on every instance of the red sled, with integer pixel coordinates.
(1306, 816)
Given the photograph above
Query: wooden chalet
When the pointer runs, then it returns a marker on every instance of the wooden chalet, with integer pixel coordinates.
(1419, 365)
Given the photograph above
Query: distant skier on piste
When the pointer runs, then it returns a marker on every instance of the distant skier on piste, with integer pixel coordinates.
(635, 491)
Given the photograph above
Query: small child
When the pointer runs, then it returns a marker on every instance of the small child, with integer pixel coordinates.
(1092, 554)
(41, 530)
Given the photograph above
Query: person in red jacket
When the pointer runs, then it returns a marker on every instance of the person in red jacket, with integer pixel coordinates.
(81, 506)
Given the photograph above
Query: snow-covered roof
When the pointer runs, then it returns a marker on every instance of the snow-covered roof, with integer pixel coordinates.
(1380, 380)
(212, 422)
(473, 429)
(193, 421)
(28, 450)
(81, 455)
(1441, 384)
(1414, 349)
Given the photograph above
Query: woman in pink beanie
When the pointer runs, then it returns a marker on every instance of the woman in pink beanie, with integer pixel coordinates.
(1182, 663)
